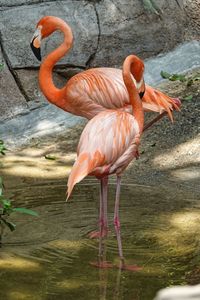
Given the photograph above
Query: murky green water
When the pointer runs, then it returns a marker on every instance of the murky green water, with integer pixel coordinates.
(49, 257)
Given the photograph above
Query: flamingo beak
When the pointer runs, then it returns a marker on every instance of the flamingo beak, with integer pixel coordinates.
(35, 44)
(142, 89)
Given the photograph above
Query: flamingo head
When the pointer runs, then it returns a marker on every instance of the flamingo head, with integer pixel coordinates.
(45, 27)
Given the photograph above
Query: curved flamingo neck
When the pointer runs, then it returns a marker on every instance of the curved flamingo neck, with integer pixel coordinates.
(51, 92)
(133, 72)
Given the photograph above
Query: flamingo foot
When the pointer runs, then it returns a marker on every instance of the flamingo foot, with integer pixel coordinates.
(102, 264)
(133, 268)
(98, 234)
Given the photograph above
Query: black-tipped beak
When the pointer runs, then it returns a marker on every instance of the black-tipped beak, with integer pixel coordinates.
(142, 92)
(36, 51)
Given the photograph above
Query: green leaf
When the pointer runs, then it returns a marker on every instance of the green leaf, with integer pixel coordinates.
(50, 157)
(188, 98)
(150, 6)
(6, 203)
(9, 224)
(165, 75)
(175, 77)
(1, 66)
(2, 147)
(26, 211)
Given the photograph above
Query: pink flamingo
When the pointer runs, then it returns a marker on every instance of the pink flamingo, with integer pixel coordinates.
(92, 91)
(108, 143)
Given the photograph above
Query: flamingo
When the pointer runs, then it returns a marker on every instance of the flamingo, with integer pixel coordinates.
(107, 145)
(94, 90)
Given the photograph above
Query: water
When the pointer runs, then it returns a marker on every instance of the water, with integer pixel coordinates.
(49, 257)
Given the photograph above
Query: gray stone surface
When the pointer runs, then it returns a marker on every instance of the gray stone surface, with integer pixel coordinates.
(192, 9)
(29, 80)
(12, 101)
(127, 28)
(40, 122)
(18, 25)
(104, 31)
(12, 3)
(184, 58)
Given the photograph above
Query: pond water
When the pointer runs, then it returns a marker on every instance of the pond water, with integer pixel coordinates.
(49, 257)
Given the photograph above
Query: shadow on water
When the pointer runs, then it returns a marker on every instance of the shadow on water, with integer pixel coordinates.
(49, 257)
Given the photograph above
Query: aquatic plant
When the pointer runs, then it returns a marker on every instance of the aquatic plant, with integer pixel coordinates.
(6, 206)
(2, 147)
(6, 209)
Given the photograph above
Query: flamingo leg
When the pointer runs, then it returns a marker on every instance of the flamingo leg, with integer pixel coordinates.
(105, 204)
(122, 265)
(103, 225)
(103, 218)
(156, 119)
(116, 219)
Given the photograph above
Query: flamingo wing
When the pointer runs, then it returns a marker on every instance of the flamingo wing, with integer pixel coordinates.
(155, 99)
(95, 90)
(106, 89)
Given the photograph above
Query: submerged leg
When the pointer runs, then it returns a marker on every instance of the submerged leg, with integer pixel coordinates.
(116, 219)
(105, 205)
(103, 227)
(103, 218)
(122, 265)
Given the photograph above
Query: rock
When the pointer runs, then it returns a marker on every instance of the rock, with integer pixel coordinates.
(67, 73)
(29, 81)
(179, 293)
(18, 25)
(12, 101)
(192, 8)
(126, 29)
(11, 3)
(176, 61)
(104, 31)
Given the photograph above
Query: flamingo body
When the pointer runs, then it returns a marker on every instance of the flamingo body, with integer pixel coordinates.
(97, 89)
(108, 143)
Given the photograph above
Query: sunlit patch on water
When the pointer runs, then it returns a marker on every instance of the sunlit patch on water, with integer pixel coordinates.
(49, 257)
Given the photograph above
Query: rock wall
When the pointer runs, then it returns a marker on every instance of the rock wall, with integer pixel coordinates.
(105, 32)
